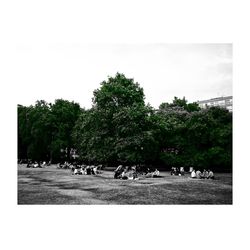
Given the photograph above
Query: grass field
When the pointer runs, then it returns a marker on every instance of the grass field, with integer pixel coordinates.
(57, 186)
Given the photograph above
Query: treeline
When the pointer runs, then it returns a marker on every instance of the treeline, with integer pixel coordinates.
(45, 130)
(121, 129)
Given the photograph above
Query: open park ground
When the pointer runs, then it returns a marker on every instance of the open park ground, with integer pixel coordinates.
(58, 186)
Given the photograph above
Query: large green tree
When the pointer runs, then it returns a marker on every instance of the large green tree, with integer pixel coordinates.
(118, 128)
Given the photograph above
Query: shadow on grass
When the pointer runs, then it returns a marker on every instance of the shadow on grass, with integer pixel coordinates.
(60, 187)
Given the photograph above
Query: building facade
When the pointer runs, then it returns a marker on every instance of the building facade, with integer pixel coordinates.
(224, 102)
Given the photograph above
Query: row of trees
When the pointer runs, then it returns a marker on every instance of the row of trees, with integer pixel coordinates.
(45, 130)
(121, 128)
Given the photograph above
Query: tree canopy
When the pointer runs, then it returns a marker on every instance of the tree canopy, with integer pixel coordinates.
(195, 137)
(121, 129)
(120, 124)
(44, 130)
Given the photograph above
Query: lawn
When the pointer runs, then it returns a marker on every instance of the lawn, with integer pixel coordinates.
(57, 186)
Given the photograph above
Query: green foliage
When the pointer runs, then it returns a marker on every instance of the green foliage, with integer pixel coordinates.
(33, 130)
(23, 131)
(63, 117)
(121, 125)
(45, 129)
(202, 138)
(120, 128)
(180, 104)
(118, 92)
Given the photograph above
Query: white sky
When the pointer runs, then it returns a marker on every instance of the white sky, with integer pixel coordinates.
(73, 70)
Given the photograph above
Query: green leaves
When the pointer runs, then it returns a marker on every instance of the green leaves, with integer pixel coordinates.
(179, 105)
(45, 129)
(120, 128)
(120, 124)
(203, 138)
(118, 92)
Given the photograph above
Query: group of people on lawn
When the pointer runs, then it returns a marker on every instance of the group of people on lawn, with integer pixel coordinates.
(37, 164)
(131, 173)
(123, 172)
(85, 170)
(206, 174)
(177, 171)
(78, 169)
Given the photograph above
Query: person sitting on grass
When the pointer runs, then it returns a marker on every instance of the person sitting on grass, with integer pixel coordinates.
(205, 174)
(135, 175)
(43, 164)
(36, 165)
(29, 164)
(95, 170)
(210, 174)
(124, 175)
(118, 171)
(147, 170)
(198, 174)
(88, 170)
(156, 173)
(129, 172)
(67, 164)
(193, 174)
(173, 170)
(77, 170)
(176, 171)
(80, 171)
(182, 171)
(92, 170)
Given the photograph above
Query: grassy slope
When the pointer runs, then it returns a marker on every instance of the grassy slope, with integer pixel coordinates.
(58, 186)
